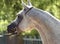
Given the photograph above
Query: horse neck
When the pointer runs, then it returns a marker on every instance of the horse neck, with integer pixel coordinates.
(47, 25)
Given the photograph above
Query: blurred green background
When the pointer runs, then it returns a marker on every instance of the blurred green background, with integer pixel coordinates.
(9, 9)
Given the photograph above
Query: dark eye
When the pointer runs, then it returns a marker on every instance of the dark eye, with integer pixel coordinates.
(20, 16)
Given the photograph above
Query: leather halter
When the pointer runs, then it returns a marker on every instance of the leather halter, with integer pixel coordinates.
(28, 10)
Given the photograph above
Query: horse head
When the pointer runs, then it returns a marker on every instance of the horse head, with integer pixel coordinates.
(21, 21)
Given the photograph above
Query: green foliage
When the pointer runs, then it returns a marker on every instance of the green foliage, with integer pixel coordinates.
(31, 33)
(3, 25)
(34, 32)
(9, 8)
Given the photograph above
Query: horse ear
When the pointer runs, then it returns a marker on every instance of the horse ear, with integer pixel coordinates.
(29, 3)
(23, 4)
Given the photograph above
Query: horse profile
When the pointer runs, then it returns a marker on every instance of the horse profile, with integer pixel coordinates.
(46, 24)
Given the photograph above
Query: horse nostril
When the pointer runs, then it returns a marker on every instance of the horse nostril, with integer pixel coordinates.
(11, 28)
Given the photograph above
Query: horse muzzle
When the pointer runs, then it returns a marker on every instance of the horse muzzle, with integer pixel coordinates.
(11, 28)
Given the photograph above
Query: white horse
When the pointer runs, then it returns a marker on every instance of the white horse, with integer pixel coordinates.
(46, 24)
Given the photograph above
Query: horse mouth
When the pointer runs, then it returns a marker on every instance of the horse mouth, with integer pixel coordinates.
(12, 28)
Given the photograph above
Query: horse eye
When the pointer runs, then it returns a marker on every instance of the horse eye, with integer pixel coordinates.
(20, 16)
